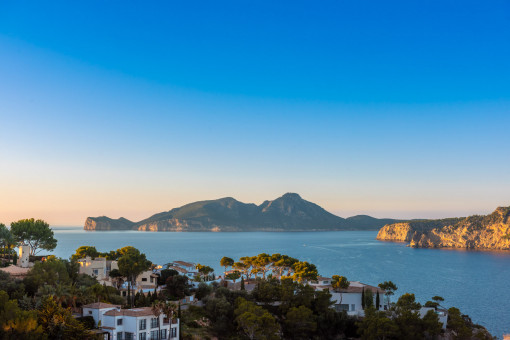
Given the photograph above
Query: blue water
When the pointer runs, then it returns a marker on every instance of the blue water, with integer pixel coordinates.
(476, 282)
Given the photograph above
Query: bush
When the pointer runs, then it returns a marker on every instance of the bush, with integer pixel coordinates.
(87, 321)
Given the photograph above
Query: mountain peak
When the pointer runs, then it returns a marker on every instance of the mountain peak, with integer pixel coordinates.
(291, 195)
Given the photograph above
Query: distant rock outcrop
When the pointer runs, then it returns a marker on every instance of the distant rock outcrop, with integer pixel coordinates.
(287, 213)
(474, 232)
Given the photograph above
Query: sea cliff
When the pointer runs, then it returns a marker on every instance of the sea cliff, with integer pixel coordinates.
(474, 232)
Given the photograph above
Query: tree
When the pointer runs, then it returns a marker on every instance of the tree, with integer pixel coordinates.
(340, 282)
(226, 262)
(131, 264)
(377, 301)
(300, 323)
(51, 272)
(34, 233)
(16, 323)
(204, 270)
(363, 298)
(431, 324)
(85, 251)
(158, 308)
(7, 240)
(177, 286)
(59, 323)
(377, 326)
(389, 288)
(165, 274)
(242, 283)
(254, 321)
(457, 324)
(233, 276)
(369, 298)
(304, 271)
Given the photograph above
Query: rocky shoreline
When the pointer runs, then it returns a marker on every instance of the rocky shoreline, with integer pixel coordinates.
(490, 232)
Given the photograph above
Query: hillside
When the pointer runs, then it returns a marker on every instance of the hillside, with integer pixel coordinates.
(475, 232)
(287, 213)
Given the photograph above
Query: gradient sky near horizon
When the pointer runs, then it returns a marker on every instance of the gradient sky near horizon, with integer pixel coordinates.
(392, 109)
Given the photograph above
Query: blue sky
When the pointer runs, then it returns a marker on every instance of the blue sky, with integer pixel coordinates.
(397, 109)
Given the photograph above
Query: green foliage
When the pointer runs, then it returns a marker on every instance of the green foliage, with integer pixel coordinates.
(458, 324)
(203, 290)
(304, 271)
(339, 282)
(233, 276)
(254, 321)
(165, 274)
(16, 323)
(177, 287)
(131, 264)
(35, 233)
(85, 251)
(300, 323)
(407, 302)
(87, 321)
(368, 298)
(51, 272)
(58, 322)
(376, 325)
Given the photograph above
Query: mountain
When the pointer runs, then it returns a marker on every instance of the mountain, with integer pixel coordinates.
(474, 232)
(287, 213)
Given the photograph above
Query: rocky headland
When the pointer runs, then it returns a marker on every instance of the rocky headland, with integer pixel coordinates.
(491, 232)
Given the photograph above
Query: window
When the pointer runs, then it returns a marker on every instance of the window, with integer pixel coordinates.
(143, 324)
(129, 336)
(163, 334)
(119, 336)
(119, 322)
(144, 279)
(342, 307)
(95, 271)
(143, 336)
(154, 322)
(90, 312)
(154, 335)
(173, 332)
(353, 307)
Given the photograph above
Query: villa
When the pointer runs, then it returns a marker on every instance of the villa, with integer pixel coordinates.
(99, 268)
(349, 299)
(131, 324)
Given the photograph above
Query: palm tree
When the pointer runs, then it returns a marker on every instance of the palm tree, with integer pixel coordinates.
(157, 309)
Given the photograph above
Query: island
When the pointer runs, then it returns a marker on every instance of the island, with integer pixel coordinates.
(289, 212)
(490, 232)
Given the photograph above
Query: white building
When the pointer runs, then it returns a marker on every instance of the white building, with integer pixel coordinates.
(132, 324)
(96, 310)
(99, 267)
(349, 299)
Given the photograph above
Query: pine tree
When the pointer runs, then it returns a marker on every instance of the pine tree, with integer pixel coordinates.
(363, 298)
(242, 283)
(377, 300)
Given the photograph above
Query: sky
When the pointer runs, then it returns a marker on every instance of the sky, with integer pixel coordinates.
(393, 109)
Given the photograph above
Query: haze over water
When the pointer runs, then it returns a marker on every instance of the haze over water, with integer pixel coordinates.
(474, 281)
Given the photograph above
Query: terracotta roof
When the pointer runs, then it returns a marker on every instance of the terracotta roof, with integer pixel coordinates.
(15, 270)
(142, 311)
(100, 305)
(322, 278)
(186, 264)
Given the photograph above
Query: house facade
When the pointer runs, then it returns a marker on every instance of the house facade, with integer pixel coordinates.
(132, 324)
(349, 299)
(99, 267)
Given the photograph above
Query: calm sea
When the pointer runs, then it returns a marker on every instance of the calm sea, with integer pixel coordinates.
(476, 282)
